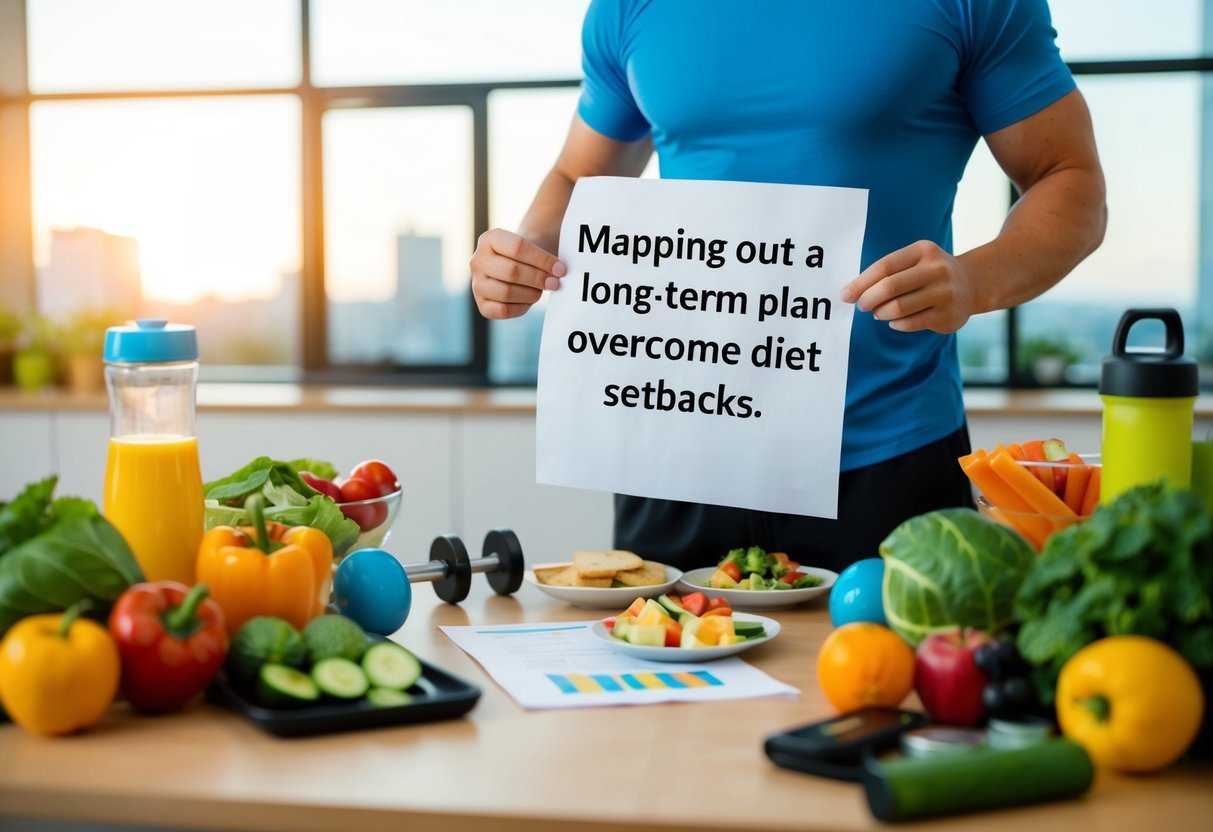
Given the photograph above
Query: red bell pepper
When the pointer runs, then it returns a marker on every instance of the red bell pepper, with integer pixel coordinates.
(172, 641)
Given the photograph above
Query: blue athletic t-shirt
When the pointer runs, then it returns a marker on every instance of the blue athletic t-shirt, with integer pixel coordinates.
(888, 95)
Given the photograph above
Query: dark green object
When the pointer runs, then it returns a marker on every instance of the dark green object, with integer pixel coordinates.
(55, 553)
(260, 641)
(334, 636)
(279, 686)
(1142, 565)
(909, 789)
(749, 629)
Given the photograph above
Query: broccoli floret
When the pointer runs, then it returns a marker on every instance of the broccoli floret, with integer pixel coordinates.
(806, 580)
(736, 556)
(757, 562)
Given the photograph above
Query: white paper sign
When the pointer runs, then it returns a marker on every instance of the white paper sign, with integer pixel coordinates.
(697, 349)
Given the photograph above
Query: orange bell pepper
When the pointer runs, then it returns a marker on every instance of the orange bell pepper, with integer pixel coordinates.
(268, 569)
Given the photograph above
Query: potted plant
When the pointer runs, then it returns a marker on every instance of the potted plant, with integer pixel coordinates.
(36, 362)
(10, 328)
(1046, 359)
(81, 337)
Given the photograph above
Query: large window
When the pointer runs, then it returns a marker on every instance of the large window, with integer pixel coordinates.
(305, 179)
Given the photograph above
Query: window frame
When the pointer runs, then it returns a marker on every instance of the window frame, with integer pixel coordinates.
(16, 231)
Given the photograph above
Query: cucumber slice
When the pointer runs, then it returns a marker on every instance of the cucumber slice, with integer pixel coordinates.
(669, 606)
(749, 629)
(340, 678)
(387, 697)
(279, 686)
(388, 665)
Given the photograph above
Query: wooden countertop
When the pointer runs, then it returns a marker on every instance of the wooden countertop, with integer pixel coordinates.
(669, 767)
(277, 397)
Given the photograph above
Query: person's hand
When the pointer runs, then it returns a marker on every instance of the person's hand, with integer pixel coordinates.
(509, 274)
(918, 287)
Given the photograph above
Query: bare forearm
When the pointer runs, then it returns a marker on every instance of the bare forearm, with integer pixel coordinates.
(541, 224)
(1051, 229)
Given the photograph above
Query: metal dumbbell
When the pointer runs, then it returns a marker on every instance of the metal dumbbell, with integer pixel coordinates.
(451, 570)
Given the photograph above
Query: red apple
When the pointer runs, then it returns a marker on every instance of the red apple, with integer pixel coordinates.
(326, 487)
(948, 681)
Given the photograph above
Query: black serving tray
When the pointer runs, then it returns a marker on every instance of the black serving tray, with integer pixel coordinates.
(437, 695)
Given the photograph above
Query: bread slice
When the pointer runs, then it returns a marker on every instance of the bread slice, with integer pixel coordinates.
(597, 583)
(556, 574)
(605, 564)
(650, 573)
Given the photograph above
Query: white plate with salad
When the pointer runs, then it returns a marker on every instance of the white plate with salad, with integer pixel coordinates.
(768, 629)
(752, 579)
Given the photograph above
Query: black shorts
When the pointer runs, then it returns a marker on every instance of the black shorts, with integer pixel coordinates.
(872, 501)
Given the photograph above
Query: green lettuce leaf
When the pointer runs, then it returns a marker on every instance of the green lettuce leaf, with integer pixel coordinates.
(324, 470)
(27, 515)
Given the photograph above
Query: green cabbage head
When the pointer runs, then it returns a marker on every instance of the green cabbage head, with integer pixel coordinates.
(952, 568)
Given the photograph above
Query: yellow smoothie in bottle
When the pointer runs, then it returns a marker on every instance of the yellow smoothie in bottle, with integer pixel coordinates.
(153, 495)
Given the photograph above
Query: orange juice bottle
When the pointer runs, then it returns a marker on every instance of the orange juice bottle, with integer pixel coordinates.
(153, 482)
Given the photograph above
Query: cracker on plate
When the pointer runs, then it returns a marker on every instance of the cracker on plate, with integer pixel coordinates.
(556, 574)
(605, 564)
(649, 574)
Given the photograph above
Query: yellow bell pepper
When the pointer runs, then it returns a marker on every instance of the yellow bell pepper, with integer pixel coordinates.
(268, 569)
(58, 672)
(1132, 702)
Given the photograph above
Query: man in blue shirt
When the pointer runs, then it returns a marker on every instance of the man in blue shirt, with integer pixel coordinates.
(891, 97)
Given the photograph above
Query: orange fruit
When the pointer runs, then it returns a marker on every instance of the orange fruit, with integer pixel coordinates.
(863, 665)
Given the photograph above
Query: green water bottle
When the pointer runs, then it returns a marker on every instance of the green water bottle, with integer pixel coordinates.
(1148, 400)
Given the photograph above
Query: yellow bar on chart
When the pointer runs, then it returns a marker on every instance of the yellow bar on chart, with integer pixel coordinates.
(583, 683)
(649, 680)
(691, 680)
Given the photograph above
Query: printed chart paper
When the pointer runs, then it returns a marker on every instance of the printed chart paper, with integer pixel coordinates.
(564, 666)
(697, 349)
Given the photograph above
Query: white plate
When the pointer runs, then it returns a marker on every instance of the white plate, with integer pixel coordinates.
(689, 654)
(595, 598)
(759, 599)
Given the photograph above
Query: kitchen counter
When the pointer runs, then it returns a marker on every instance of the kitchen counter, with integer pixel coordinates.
(320, 398)
(670, 767)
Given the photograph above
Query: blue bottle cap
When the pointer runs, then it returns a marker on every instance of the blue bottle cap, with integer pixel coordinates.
(150, 341)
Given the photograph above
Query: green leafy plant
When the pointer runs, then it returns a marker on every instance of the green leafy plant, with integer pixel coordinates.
(83, 331)
(1141, 565)
(952, 568)
(10, 328)
(1032, 350)
(54, 553)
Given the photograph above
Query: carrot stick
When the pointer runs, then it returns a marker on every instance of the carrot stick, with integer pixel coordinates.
(1077, 478)
(1018, 513)
(1034, 451)
(1031, 489)
(1091, 498)
(1015, 451)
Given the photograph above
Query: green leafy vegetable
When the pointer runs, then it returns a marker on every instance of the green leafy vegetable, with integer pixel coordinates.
(59, 553)
(288, 498)
(324, 470)
(952, 568)
(1141, 565)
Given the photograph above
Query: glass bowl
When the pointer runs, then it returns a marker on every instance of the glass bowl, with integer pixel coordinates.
(1034, 527)
(374, 518)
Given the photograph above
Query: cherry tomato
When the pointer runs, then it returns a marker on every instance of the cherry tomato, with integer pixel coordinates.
(326, 487)
(368, 516)
(377, 474)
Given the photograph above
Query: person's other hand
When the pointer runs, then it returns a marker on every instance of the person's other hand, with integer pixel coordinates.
(509, 273)
(918, 287)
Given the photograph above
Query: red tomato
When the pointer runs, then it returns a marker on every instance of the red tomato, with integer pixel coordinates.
(326, 487)
(732, 570)
(378, 474)
(718, 603)
(367, 516)
(695, 603)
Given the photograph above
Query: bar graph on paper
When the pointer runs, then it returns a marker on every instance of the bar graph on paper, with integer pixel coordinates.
(573, 683)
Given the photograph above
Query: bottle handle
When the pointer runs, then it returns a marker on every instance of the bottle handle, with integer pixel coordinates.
(1170, 319)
